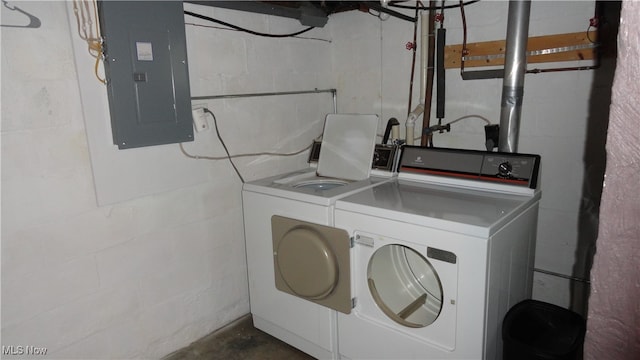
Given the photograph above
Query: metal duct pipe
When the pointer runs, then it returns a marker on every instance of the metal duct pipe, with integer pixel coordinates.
(514, 70)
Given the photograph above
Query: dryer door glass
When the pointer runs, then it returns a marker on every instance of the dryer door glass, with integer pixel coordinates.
(405, 286)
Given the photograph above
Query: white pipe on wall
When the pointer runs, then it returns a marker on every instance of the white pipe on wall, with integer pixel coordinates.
(411, 123)
(424, 52)
(417, 111)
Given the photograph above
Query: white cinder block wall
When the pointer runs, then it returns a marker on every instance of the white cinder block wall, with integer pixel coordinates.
(143, 277)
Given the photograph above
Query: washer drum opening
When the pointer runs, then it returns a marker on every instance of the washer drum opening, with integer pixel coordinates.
(316, 184)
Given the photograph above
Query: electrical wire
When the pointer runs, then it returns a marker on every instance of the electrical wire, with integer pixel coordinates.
(469, 117)
(203, 17)
(227, 29)
(395, 4)
(203, 157)
(229, 156)
(89, 31)
(215, 124)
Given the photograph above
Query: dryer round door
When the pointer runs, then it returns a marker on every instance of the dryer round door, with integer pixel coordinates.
(311, 261)
(307, 263)
(405, 286)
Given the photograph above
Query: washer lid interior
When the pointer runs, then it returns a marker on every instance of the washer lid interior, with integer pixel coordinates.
(348, 143)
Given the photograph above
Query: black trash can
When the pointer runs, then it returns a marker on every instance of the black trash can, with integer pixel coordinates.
(535, 330)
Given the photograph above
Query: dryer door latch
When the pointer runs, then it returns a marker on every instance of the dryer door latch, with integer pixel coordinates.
(362, 240)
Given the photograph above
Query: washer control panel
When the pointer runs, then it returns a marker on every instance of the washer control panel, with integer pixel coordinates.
(384, 156)
(511, 168)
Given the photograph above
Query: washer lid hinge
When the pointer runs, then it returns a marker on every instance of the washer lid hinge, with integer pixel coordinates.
(354, 301)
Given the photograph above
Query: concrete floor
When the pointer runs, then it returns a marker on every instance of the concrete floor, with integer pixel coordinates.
(238, 341)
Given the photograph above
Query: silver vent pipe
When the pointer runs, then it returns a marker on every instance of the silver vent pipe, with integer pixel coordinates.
(514, 69)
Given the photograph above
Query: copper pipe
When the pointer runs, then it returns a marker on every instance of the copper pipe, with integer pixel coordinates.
(413, 59)
(428, 94)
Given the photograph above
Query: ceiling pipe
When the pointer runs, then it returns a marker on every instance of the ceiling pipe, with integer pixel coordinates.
(514, 70)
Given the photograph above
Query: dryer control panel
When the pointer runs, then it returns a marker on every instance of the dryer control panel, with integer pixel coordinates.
(510, 168)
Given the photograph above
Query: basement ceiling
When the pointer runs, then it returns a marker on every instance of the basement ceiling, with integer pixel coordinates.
(309, 13)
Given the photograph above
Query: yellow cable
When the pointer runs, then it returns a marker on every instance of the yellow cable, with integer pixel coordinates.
(80, 9)
(104, 81)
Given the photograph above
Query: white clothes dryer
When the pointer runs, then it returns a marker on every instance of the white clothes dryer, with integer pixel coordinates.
(298, 264)
(440, 254)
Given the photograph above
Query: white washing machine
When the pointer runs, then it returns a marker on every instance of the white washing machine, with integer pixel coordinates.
(297, 263)
(439, 255)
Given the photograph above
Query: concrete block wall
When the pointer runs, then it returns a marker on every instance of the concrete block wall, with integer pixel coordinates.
(146, 276)
(233, 62)
(143, 277)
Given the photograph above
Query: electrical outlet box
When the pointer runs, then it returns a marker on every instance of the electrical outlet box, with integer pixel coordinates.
(146, 70)
(200, 119)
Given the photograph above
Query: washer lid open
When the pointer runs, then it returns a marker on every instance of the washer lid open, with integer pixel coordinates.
(348, 143)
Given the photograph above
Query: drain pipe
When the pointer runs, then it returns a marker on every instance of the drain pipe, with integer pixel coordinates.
(514, 70)
(410, 123)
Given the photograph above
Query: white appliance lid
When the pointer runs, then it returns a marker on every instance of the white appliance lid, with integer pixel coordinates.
(466, 211)
(348, 143)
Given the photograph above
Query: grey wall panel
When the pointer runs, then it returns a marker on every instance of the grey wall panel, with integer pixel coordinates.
(146, 71)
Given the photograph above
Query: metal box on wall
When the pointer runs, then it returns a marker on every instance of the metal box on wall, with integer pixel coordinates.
(146, 71)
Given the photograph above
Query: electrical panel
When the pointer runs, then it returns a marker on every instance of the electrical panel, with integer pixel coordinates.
(146, 71)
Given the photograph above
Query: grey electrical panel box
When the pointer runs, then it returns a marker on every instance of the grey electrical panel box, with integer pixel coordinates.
(146, 71)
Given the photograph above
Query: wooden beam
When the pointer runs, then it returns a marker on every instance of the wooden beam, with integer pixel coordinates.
(491, 53)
